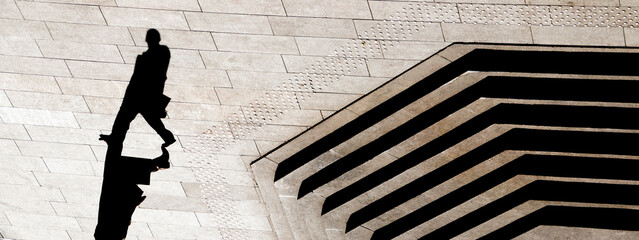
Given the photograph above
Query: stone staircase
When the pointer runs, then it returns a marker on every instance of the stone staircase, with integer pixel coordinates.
(478, 140)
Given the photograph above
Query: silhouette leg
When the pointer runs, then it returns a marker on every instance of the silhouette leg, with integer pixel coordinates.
(122, 123)
(156, 123)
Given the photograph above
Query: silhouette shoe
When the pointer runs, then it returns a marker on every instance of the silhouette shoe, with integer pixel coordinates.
(105, 137)
(140, 200)
(169, 141)
(162, 162)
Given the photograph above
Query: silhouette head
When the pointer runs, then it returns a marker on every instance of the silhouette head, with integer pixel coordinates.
(153, 37)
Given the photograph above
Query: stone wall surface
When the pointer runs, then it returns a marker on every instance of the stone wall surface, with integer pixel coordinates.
(245, 77)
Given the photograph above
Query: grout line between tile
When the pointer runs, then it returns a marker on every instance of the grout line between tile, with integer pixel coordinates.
(370, 10)
(186, 20)
(198, 5)
(284, 7)
(103, 18)
(20, 11)
(625, 43)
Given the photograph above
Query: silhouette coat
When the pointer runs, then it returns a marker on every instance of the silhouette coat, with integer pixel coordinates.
(144, 94)
(120, 194)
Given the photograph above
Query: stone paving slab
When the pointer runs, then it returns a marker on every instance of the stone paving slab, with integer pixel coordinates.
(65, 64)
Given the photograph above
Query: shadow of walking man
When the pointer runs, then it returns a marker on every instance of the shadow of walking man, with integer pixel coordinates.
(120, 194)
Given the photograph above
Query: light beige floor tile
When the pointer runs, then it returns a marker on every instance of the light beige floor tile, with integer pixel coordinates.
(90, 87)
(164, 188)
(230, 162)
(37, 193)
(77, 195)
(9, 147)
(13, 131)
(230, 23)
(75, 210)
(413, 50)
(315, 46)
(75, 235)
(266, 146)
(25, 205)
(80, 51)
(19, 46)
(629, 3)
(249, 222)
(61, 12)
(63, 135)
(176, 231)
(354, 85)
(96, 121)
(9, 9)
(174, 174)
(486, 1)
(202, 112)
(255, 43)
(265, 7)
(24, 28)
(188, 127)
(166, 217)
(177, 39)
(299, 117)
(454, 32)
(312, 27)
(188, 5)
(55, 150)
(265, 235)
(328, 101)
(251, 208)
(17, 177)
(578, 35)
(97, 70)
(389, 67)
(59, 180)
(182, 204)
(15, 162)
(47, 101)
(418, 31)
(32, 65)
(4, 100)
(133, 17)
(389, 9)
(193, 189)
(257, 80)
(42, 221)
(302, 64)
(574, 2)
(136, 229)
(191, 94)
(88, 33)
(99, 105)
(37, 117)
(197, 77)
(31, 83)
(243, 61)
(66, 166)
(330, 8)
(241, 147)
(276, 133)
(239, 97)
(631, 36)
(84, 2)
(13, 232)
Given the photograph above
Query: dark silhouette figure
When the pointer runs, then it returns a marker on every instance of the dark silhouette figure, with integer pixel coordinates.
(120, 194)
(144, 93)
